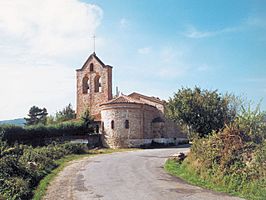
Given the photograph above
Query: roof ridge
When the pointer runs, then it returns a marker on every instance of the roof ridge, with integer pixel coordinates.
(157, 99)
(89, 58)
(132, 99)
(124, 99)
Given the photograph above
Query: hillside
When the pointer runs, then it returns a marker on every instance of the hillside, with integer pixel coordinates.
(19, 121)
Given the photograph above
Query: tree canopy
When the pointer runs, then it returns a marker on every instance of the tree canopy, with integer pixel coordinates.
(66, 114)
(201, 111)
(36, 116)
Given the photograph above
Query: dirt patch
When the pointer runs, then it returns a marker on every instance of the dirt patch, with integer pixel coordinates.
(67, 181)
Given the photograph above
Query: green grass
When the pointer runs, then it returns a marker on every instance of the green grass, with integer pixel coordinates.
(184, 172)
(62, 163)
(179, 170)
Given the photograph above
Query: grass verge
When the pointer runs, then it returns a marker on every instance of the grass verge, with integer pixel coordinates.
(184, 172)
(39, 192)
(250, 190)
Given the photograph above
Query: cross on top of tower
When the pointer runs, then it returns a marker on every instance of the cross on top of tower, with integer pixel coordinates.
(94, 37)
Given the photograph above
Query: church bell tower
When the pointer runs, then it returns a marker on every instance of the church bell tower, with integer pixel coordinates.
(94, 86)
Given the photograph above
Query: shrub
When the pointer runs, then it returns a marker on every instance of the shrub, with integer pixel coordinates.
(252, 123)
(235, 157)
(74, 148)
(39, 156)
(15, 188)
(22, 166)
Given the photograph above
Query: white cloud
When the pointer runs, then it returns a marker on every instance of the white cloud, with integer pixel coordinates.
(38, 42)
(144, 50)
(52, 87)
(48, 28)
(192, 32)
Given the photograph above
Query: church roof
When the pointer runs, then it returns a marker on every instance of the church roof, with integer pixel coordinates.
(124, 99)
(154, 99)
(93, 55)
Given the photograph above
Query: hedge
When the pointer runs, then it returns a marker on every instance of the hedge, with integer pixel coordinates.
(37, 134)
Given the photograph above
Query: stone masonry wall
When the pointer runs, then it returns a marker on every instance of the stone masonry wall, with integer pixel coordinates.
(140, 123)
(93, 99)
(159, 105)
(149, 114)
(117, 136)
(172, 130)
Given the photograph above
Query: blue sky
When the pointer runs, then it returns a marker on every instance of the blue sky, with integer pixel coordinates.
(156, 47)
(168, 44)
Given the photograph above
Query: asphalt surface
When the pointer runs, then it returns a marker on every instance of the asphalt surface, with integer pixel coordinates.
(136, 175)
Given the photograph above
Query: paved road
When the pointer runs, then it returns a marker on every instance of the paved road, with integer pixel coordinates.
(137, 175)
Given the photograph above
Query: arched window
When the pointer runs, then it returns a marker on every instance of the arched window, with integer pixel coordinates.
(127, 124)
(98, 84)
(112, 124)
(97, 128)
(85, 85)
(91, 67)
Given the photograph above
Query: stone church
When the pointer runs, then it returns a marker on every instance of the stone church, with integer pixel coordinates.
(126, 120)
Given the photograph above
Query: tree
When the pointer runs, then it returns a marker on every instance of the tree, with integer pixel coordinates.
(201, 111)
(88, 121)
(36, 116)
(252, 122)
(66, 114)
(50, 120)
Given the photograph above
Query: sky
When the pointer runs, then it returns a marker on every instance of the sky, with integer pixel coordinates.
(155, 47)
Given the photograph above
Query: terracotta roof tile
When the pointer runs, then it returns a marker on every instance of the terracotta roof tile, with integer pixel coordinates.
(154, 99)
(124, 99)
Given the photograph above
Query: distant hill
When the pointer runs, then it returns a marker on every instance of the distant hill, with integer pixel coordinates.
(18, 122)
